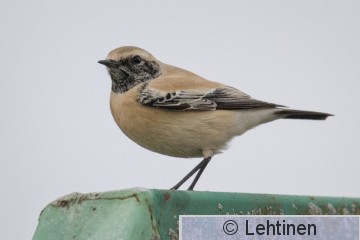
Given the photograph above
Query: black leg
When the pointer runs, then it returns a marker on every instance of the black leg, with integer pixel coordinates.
(199, 174)
(201, 165)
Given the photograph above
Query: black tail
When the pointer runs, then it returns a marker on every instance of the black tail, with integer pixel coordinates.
(298, 114)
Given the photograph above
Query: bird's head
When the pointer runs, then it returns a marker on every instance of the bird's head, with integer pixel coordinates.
(130, 66)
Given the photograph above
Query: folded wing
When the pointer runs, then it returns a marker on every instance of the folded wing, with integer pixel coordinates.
(225, 98)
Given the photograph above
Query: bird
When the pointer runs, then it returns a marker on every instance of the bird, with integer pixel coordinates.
(174, 112)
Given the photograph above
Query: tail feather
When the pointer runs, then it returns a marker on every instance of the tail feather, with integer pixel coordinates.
(299, 114)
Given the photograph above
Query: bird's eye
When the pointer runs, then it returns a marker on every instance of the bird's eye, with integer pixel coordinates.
(136, 59)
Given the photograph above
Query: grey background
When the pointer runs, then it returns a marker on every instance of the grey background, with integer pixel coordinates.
(58, 135)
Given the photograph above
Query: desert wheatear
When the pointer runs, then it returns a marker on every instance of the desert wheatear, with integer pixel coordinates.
(175, 112)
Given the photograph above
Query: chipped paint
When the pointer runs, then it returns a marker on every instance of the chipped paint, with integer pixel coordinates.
(174, 234)
(345, 211)
(355, 209)
(331, 209)
(314, 210)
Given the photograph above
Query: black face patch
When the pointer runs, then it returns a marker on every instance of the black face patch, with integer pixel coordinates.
(127, 73)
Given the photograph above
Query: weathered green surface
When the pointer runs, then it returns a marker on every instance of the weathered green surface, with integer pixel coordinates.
(153, 214)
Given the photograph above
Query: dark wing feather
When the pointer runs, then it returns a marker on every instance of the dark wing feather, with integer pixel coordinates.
(226, 98)
(231, 98)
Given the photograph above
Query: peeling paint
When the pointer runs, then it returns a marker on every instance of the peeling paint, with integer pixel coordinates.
(174, 234)
(331, 209)
(314, 209)
(281, 212)
(345, 211)
(269, 210)
(354, 209)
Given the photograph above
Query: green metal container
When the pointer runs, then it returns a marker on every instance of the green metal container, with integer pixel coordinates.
(153, 214)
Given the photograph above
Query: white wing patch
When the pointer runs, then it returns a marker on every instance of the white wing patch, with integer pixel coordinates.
(185, 100)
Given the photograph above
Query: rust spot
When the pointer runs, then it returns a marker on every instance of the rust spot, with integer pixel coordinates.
(63, 203)
(167, 196)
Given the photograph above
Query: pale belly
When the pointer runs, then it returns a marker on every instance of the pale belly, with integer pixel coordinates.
(179, 134)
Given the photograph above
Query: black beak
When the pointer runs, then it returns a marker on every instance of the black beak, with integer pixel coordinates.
(108, 63)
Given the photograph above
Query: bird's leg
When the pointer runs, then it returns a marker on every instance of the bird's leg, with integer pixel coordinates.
(199, 174)
(201, 166)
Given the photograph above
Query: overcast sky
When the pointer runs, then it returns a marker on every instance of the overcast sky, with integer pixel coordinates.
(57, 135)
